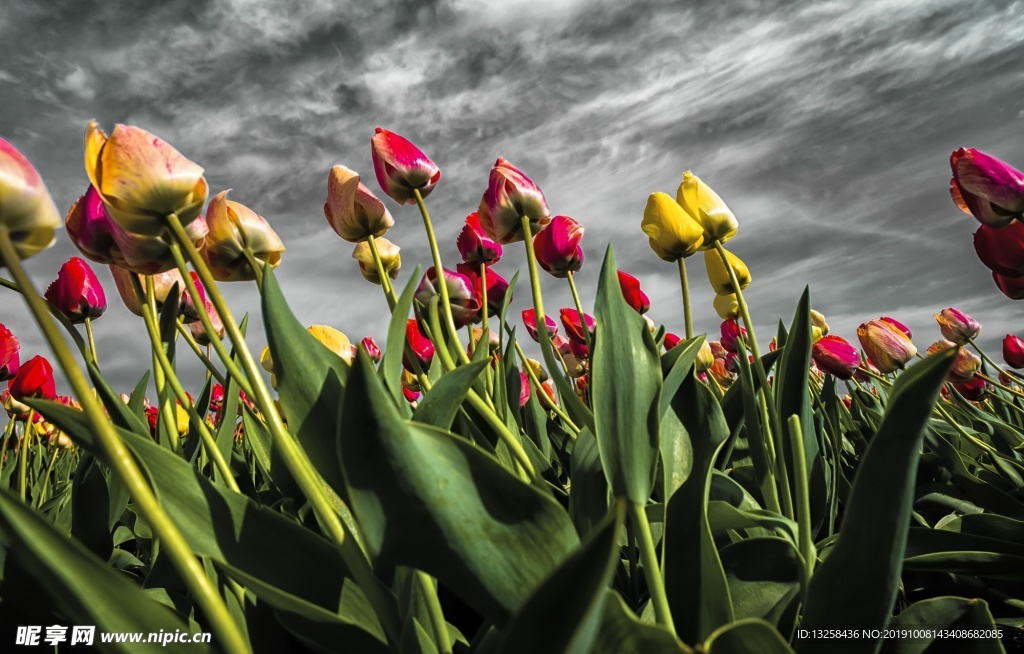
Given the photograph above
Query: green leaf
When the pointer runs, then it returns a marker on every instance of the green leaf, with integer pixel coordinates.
(563, 614)
(90, 506)
(120, 413)
(626, 391)
(941, 613)
(394, 345)
(675, 447)
(866, 560)
(764, 577)
(440, 404)
(749, 636)
(622, 633)
(431, 501)
(588, 501)
(136, 401)
(80, 586)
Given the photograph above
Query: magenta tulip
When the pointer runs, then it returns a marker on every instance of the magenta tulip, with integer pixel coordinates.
(989, 189)
(511, 196)
(401, 167)
(9, 354)
(558, 247)
(474, 244)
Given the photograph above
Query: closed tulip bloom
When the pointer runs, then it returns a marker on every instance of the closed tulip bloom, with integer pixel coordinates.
(401, 167)
(705, 357)
(475, 246)
(888, 347)
(704, 206)
(370, 347)
(1011, 287)
(162, 285)
(673, 233)
(389, 258)
(9, 354)
(721, 373)
(333, 340)
(199, 331)
(352, 210)
(34, 379)
(538, 369)
(727, 306)
(989, 189)
(574, 326)
(510, 196)
(235, 228)
(76, 292)
(898, 325)
(818, 324)
(524, 389)
(1013, 351)
(1001, 250)
(718, 274)
(477, 335)
(558, 247)
(421, 346)
(26, 208)
(672, 340)
(142, 179)
(464, 303)
(731, 331)
(635, 297)
(497, 287)
(965, 365)
(718, 350)
(973, 390)
(836, 356)
(530, 321)
(957, 326)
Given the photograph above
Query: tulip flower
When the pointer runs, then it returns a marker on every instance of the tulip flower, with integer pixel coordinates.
(836, 356)
(26, 208)
(217, 398)
(548, 400)
(965, 365)
(1013, 351)
(731, 330)
(704, 206)
(530, 320)
(635, 297)
(142, 179)
(464, 303)
(671, 340)
(370, 347)
(474, 244)
(1011, 287)
(235, 229)
(888, 347)
(538, 369)
(333, 340)
(558, 247)
(401, 167)
(1001, 250)
(352, 210)
(732, 365)
(720, 373)
(705, 357)
(510, 196)
(497, 287)
(477, 334)
(579, 349)
(76, 292)
(898, 325)
(9, 354)
(389, 258)
(727, 306)
(34, 379)
(411, 396)
(199, 331)
(718, 350)
(673, 233)
(718, 274)
(180, 420)
(162, 285)
(989, 189)
(524, 389)
(420, 345)
(819, 327)
(973, 390)
(574, 326)
(957, 326)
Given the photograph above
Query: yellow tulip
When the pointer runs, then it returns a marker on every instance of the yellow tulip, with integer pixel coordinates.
(727, 306)
(235, 228)
(26, 208)
(705, 207)
(718, 274)
(389, 256)
(333, 340)
(142, 179)
(673, 233)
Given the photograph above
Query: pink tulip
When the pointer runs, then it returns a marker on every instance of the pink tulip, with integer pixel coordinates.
(510, 196)
(401, 167)
(464, 302)
(989, 189)
(558, 247)
(474, 244)
(497, 287)
(524, 389)
(836, 356)
(530, 320)
(9, 354)
(957, 326)
(731, 330)
(370, 347)
(1001, 250)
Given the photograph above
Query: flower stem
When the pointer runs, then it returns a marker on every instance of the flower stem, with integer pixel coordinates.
(168, 416)
(92, 342)
(57, 314)
(26, 438)
(998, 385)
(382, 273)
(123, 463)
(686, 298)
(46, 477)
(437, 621)
(579, 312)
(993, 363)
(186, 335)
(652, 571)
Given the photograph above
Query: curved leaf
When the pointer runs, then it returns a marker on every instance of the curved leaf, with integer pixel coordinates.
(944, 613)
(440, 404)
(750, 636)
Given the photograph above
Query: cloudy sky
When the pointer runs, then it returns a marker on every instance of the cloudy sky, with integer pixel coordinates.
(825, 126)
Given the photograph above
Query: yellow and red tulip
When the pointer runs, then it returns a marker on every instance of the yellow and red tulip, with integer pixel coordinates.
(558, 247)
(235, 229)
(957, 326)
(474, 245)
(510, 196)
(887, 343)
(635, 297)
(10, 354)
(673, 233)
(718, 274)
(834, 355)
(390, 258)
(1013, 351)
(26, 208)
(574, 325)
(989, 189)
(965, 365)
(464, 303)
(352, 211)
(704, 206)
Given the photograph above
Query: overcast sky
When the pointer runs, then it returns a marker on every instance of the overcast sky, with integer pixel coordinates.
(825, 126)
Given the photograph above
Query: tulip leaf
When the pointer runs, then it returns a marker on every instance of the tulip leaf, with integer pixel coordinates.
(395, 344)
(626, 391)
(674, 445)
(747, 636)
(440, 404)
(588, 501)
(944, 613)
(311, 382)
(120, 413)
(563, 614)
(622, 632)
(866, 560)
(764, 578)
(136, 402)
(431, 501)
(90, 506)
(81, 588)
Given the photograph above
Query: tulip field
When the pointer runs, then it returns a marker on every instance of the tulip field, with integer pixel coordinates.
(637, 488)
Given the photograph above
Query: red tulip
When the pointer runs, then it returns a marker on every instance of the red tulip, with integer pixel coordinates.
(530, 320)
(411, 396)
(524, 389)
(34, 379)
(671, 340)
(217, 398)
(989, 189)
(474, 244)
(77, 293)
(631, 291)
(420, 345)
(731, 330)
(957, 326)
(578, 349)
(9, 354)
(1012, 287)
(464, 303)
(974, 389)
(573, 325)
(497, 287)
(1013, 351)
(510, 196)
(1001, 250)
(401, 167)
(836, 356)
(370, 347)
(558, 247)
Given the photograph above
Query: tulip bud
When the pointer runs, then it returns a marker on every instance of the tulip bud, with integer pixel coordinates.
(965, 365)
(673, 233)
(493, 340)
(1011, 287)
(973, 390)
(524, 389)
(333, 340)
(497, 287)
(26, 208)
(818, 323)
(530, 320)
(1001, 250)
(727, 306)
(510, 196)
(574, 326)
(558, 247)
(142, 179)
(389, 258)
(411, 396)
(77, 293)
(199, 331)
(672, 340)
(370, 347)
(34, 379)
(718, 273)
(464, 304)
(635, 297)
(989, 189)
(888, 347)
(704, 206)
(420, 345)
(1013, 351)
(217, 398)
(474, 244)
(836, 356)
(705, 357)
(957, 326)
(538, 369)
(352, 210)
(235, 229)
(731, 330)
(401, 167)
(9, 354)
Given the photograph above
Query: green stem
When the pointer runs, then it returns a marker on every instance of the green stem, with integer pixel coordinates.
(119, 458)
(579, 312)
(998, 385)
(8, 435)
(652, 571)
(186, 335)
(992, 363)
(169, 417)
(46, 478)
(26, 438)
(803, 499)
(257, 269)
(385, 280)
(634, 577)
(686, 298)
(92, 342)
(437, 621)
(57, 314)
(536, 382)
(437, 335)
(442, 286)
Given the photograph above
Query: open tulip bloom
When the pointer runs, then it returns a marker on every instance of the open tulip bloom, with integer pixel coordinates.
(985, 187)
